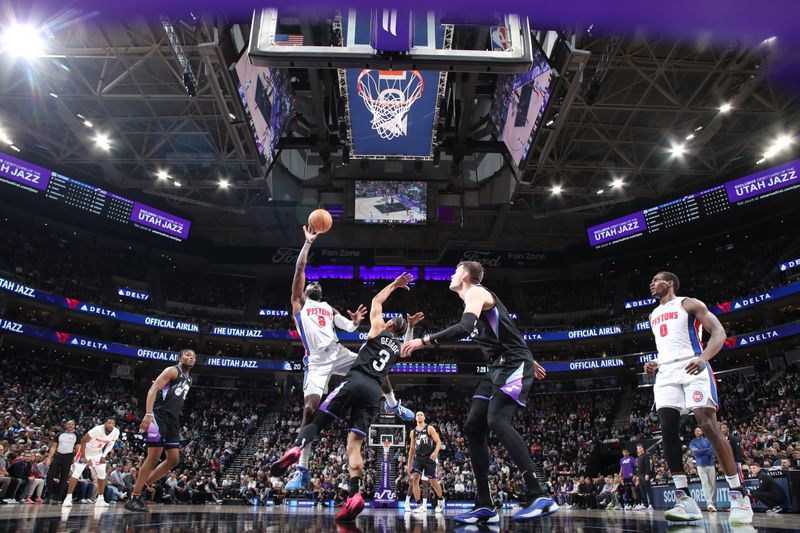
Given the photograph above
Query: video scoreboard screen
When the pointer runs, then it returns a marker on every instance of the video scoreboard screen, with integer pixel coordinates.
(719, 199)
(79, 196)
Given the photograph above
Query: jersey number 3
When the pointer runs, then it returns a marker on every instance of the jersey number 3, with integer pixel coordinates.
(663, 330)
(380, 364)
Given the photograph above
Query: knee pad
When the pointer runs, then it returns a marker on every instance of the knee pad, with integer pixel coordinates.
(670, 437)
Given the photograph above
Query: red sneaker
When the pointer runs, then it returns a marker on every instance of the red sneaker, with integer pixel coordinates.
(279, 467)
(39, 500)
(351, 508)
(28, 500)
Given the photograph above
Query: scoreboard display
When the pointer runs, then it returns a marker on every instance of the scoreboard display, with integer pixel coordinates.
(719, 199)
(81, 197)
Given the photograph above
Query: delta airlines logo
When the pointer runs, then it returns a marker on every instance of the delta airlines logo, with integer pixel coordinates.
(730, 343)
(62, 338)
(724, 307)
(294, 334)
(72, 303)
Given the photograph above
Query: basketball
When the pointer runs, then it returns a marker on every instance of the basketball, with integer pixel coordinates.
(320, 221)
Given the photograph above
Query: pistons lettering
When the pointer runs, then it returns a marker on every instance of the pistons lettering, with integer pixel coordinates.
(671, 315)
(318, 311)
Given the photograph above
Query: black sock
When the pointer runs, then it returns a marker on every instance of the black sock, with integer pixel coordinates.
(532, 486)
(354, 484)
(484, 496)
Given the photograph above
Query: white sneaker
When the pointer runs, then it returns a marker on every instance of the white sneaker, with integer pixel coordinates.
(710, 508)
(741, 510)
(407, 506)
(439, 506)
(627, 507)
(420, 510)
(685, 510)
(101, 502)
(67, 502)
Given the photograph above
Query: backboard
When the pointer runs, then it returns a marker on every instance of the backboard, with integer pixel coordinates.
(389, 40)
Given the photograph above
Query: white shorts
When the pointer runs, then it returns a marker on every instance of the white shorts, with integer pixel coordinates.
(93, 461)
(684, 392)
(320, 368)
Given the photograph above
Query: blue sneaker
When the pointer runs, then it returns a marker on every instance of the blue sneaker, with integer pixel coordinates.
(541, 506)
(485, 515)
(299, 481)
(405, 414)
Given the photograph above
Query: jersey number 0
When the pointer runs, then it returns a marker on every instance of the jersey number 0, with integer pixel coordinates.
(380, 364)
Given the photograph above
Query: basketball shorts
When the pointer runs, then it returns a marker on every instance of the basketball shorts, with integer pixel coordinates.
(164, 432)
(427, 467)
(93, 462)
(320, 367)
(684, 392)
(359, 396)
(513, 376)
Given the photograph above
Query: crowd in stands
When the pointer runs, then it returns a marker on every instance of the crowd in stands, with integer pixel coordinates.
(38, 400)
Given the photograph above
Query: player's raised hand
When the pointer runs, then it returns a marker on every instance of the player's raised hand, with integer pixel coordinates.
(359, 315)
(311, 235)
(411, 347)
(415, 319)
(538, 371)
(651, 367)
(403, 280)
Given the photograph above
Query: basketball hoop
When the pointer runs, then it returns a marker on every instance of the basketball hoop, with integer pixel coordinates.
(386, 445)
(388, 95)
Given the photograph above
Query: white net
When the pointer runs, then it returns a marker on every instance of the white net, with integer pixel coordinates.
(388, 95)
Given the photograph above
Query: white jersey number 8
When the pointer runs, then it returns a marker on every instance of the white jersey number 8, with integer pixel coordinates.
(380, 364)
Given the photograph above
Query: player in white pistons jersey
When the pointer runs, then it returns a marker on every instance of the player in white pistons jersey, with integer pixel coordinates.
(94, 448)
(685, 382)
(316, 321)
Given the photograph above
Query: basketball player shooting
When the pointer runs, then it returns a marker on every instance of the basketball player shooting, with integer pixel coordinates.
(511, 373)
(324, 356)
(162, 424)
(359, 394)
(685, 382)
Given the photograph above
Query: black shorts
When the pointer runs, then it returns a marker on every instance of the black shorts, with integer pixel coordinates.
(359, 395)
(514, 377)
(425, 466)
(164, 432)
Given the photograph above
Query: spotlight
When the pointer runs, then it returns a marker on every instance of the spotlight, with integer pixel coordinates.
(599, 191)
(162, 174)
(54, 95)
(778, 145)
(724, 108)
(4, 137)
(102, 141)
(678, 150)
(690, 137)
(176, 183)
(556, 189)
(617, 183)
(88, 123)
(22, 40)
(15, 147)
(224, 184)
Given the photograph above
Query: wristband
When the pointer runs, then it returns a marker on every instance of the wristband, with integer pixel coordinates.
(308, 242)
(149, 414)
(426, 340)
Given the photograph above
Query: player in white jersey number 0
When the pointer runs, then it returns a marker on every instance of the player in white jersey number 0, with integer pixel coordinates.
(324, 356)
(685, 382)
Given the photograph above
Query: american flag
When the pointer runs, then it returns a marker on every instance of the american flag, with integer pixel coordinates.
(288, 40)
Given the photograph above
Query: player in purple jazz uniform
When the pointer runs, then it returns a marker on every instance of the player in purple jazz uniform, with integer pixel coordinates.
(627, 465)
(512, 370)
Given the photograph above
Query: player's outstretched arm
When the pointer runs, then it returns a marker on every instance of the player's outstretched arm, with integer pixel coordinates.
(355, 318)
(376, 310)
(711, 324)
(299, 280)
(474, 302)
(161, 381)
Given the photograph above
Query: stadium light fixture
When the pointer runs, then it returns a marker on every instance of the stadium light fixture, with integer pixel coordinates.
(5, 138)
(725, 108)
(617, 183)
(224, 184)
(54, 95)
(600, 191)
(769, 40)
(678, 150)
(15, 147)
(176, 183)
(23, 40)
(556, 189)
(162, 174)
(778, 145)
(102, 141)
(88, 123)
(690, 137)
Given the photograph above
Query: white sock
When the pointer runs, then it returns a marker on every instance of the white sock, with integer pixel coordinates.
(734, 482)
(424, 502)
(408, 498)
(391, 401)
(681, 482)
(304, 457)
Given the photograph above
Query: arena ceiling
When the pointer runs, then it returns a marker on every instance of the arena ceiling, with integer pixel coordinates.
(621, 112)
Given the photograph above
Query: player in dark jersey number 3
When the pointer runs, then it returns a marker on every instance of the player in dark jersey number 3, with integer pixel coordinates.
(506, 385)
(161, 422)
(359, 393)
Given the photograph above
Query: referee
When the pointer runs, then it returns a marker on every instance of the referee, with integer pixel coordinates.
(61, 457)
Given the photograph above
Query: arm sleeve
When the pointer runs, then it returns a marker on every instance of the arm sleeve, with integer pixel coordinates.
(343, 323)
(456, 331)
